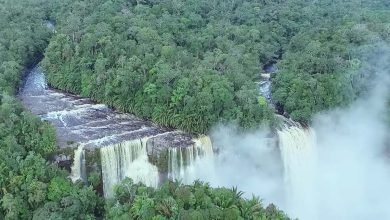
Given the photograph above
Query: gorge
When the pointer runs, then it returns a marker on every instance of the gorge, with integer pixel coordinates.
(288, 166)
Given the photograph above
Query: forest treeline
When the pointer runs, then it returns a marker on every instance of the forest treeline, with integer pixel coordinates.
(191, 64)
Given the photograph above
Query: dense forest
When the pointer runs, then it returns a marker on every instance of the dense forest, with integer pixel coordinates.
(184, 64)
(190, 65)
(31, 187)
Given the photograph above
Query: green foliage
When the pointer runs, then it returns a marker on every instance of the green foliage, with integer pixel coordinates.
(173, 200)
(182, 65)
(23, 39)
(94, 179)
(320, 68)
(59, 188)
(30, 187)
(192, 65)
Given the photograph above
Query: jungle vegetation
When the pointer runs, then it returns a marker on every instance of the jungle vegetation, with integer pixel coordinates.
(30, 186)
(193, 64)
(174, 200)
(184, 64)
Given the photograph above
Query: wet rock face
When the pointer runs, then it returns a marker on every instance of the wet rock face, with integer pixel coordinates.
(173, 139)
(80, 121)
(270, 68)
(63, 161)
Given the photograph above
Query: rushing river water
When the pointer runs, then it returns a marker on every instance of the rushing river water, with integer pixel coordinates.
(79, 120)
(126, 142)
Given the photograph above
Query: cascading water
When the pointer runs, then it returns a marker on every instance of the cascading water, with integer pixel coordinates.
(127, 159)
(297, 147)
(205, 145)
(181, 161)
(78, 167)
(298, 152)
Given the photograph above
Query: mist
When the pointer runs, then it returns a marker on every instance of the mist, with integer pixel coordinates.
(343, 173)
(353, 172)
(250, 161)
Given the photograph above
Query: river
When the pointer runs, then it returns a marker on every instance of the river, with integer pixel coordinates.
(126, 143)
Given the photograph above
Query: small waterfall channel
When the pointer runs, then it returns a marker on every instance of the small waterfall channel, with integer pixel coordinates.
(127, 159)
(78, 171)
(181, 160)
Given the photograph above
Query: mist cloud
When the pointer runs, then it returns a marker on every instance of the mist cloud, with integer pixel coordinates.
(353, 172)
(351, 178)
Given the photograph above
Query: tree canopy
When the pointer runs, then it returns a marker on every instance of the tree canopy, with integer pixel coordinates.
(174, 200)
(194, 64)
(30, 187)
(184, 64)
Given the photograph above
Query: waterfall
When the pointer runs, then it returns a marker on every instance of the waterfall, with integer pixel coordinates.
(127, 159)
(78, 167)
(298, 151)
(181, 161)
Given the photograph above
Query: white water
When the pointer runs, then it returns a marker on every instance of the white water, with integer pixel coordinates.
(130, 159)
(78, 167)
(35, 83)
(181, 161)
(127, 159)
(298, 152)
